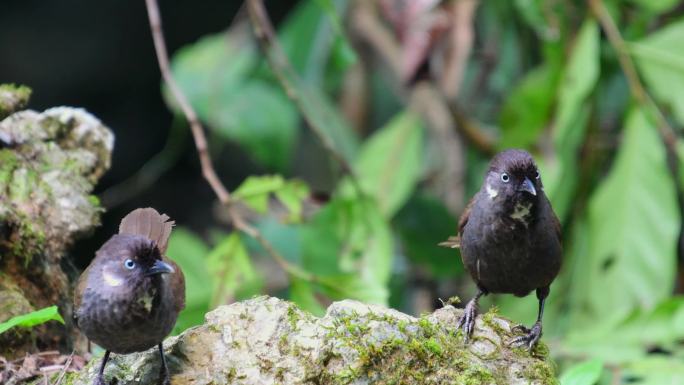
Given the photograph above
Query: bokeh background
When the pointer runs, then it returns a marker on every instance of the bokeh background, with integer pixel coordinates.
(416, 96)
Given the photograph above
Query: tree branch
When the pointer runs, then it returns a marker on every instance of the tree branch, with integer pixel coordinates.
(286, 75)
(205, 160)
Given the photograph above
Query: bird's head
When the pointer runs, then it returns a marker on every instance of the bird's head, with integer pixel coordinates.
(513, 180)
(129, 260)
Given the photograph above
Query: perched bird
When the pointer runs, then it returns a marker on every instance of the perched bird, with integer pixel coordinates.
(510, 238)
(129, 297)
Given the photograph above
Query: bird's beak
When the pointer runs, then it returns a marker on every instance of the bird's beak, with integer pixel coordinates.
(528, 186)
(160, 267)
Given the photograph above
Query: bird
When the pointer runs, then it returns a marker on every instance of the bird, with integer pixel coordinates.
(510, 239)
(128, 298)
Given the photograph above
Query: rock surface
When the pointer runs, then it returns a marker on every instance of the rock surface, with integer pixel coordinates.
(49, 164)
(266, 340)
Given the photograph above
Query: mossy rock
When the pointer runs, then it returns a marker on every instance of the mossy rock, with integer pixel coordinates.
(266, 340)
(49, 164)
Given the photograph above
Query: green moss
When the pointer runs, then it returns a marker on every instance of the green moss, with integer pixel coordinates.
(293, 316)
(13, 98)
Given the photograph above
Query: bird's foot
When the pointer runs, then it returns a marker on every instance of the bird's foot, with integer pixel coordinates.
(467, 321)
(530, 338)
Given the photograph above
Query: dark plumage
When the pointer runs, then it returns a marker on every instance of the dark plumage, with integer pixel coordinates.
(510, 238)
(129, 297)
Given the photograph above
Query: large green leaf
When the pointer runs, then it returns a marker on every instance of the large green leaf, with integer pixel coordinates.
(309, 40)
(578, 81)
(422, 223)
(656, 6)
(216, 75)
(660, 60)
(633, 227)
(389, 163)
(31, 319)
(632, 339)
(312, 35)
(255, 192)
(585, 373)
(528, 108)
(303, 294)
(348, 242)
(190, 252)
(233, 275)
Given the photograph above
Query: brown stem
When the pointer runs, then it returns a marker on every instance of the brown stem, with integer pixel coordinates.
(286, 75)
(201, 143)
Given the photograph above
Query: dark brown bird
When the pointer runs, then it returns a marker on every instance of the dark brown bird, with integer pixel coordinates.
(510, 238)
(129, 297)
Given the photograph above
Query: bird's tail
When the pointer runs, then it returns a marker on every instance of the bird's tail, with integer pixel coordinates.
(148, 223)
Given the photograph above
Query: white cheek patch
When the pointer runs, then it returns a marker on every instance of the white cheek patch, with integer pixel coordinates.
(491, 192)
(521, 212)
(111, 279)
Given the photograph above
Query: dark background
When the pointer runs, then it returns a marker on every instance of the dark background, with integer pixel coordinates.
(99, 55)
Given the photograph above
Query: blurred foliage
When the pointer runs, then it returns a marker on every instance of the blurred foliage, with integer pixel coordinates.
(33, 318)
(550, 82)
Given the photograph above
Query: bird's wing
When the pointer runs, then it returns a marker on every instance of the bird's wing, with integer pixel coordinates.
(177, 285)
(148, 223)
(557, 227)
(454, 242)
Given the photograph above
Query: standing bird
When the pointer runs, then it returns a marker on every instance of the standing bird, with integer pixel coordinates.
(510, 238)
(129, 297)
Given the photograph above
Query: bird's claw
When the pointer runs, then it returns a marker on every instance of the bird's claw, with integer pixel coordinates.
(530, 338)
(521, 329)
(467, 320)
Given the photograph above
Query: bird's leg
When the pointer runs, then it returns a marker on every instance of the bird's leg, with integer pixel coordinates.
(163, 370)
(533, 334)
(467, 320)
(99, 380)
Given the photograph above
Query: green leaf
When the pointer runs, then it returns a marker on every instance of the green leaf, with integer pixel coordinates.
(349, 240)
(585, 373)
(233, 276)
(189, 252)
(633, 229)
(34, 318)
(258, 116)
(311, 36)
(660, 60)
(302, 293)
(655, 370)
(422, 223)
(528, 108)
(352, 286)
(578, 81)
(631, 339)
(217, 75)
(656, 6)
(256, 190)
(389, 163)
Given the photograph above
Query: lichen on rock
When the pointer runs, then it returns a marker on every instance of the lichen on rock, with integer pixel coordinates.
(266, 340)
(49, 164)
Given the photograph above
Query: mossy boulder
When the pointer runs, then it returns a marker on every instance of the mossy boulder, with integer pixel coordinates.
(266, 340)
(49, 164)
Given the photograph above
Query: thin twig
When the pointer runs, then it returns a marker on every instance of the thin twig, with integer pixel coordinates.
(667, 133)
(65, 368)
(635, 86)
(197, 132)
(205, 160)
(286, 75)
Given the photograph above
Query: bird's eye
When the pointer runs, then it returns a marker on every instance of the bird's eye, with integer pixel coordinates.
(536, 175)
(504, 177)
(129, 264)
